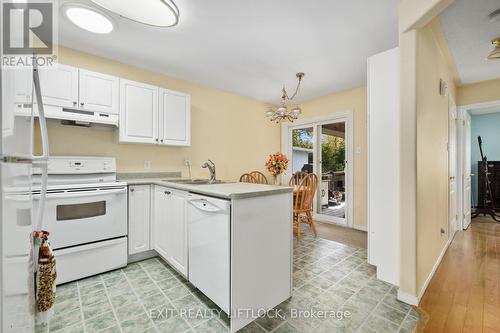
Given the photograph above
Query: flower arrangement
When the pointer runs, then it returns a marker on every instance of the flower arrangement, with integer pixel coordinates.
(277, 163)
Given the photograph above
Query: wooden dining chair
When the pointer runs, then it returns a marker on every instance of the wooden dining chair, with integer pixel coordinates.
(303, 203)
(297, 178)
(247, 178)
(259, 176)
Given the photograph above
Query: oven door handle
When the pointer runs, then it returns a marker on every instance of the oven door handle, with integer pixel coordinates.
(82, 194)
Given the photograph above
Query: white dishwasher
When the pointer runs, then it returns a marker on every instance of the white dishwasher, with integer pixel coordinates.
(209, 247)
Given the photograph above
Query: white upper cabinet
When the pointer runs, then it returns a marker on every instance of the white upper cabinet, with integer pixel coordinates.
(144, 113)
(138, 112)
(98, 92)
(59, 86)
(175, 118)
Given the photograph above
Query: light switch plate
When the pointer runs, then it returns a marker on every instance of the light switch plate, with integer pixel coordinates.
(147, 164)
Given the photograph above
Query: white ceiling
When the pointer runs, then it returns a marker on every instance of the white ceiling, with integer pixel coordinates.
(469, 33)
(492, 108)
(252, 47)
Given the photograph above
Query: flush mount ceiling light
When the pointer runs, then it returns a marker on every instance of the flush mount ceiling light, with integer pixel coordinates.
(88, 18)
(495, 54)
(284, 111)
(157, 13)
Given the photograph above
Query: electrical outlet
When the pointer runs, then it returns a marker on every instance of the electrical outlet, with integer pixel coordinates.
(147, 164)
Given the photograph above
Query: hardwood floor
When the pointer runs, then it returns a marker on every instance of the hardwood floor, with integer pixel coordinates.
(348, 236)
(464, 294)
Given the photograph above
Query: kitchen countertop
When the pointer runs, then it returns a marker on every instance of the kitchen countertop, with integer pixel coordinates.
(230, 190)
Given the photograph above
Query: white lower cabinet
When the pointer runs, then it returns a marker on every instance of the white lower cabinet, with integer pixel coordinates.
(169, 233)
(139, 218)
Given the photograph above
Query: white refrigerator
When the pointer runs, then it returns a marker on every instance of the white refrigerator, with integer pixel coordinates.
(17, 257)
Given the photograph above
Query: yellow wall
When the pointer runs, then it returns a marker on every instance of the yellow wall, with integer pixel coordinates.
(229, 129)
(352, 100)
(480, 92)
(432, 154)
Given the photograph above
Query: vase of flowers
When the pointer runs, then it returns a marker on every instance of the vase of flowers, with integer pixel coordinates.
(277, 164)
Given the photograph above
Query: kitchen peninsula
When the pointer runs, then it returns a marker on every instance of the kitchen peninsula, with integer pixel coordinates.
(232, 241)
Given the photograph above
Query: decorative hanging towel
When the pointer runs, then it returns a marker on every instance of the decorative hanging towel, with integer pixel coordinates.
(45, 277)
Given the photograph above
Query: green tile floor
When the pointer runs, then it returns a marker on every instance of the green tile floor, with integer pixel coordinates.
(149, 296)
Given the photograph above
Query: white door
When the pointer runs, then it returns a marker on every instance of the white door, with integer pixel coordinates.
(98, 92)
(175, 114)
(16, 273)
(467, 196)
(139, 218)
(138, 112)
(169, 227)
(177, 231)
(160, 230)
(59, 86)
(452, 168)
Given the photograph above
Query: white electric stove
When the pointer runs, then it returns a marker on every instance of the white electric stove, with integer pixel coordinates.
(86, 215)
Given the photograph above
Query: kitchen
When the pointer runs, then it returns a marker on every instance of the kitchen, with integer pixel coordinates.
(135, 178)
(182, 220)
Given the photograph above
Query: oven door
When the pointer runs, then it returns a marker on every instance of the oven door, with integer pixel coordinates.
(86, 215)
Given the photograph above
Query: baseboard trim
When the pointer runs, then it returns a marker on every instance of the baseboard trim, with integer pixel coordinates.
(355, 227)
(142, 256)
(433, 271)
(408, 298)
(360, 228)
(415, 299)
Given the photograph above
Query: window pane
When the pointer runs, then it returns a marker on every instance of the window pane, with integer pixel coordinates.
(333, 156)
(302, 158)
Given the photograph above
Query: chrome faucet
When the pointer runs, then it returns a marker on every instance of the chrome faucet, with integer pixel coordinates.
(211, 167)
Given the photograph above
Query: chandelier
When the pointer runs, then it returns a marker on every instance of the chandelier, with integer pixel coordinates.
(495, 54)
(285, 111)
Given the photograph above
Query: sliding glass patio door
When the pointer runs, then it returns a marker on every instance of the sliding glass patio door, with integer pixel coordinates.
(324, 148)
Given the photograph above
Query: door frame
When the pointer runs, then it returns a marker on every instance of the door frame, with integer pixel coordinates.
(462, 136)
(286, 147)
(453, 121)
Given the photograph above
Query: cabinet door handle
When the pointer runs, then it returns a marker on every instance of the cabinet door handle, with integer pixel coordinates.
(156, 139)
(82, 104)
(75, 103)
(161, 140)
(131, 190)
(168, 192)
